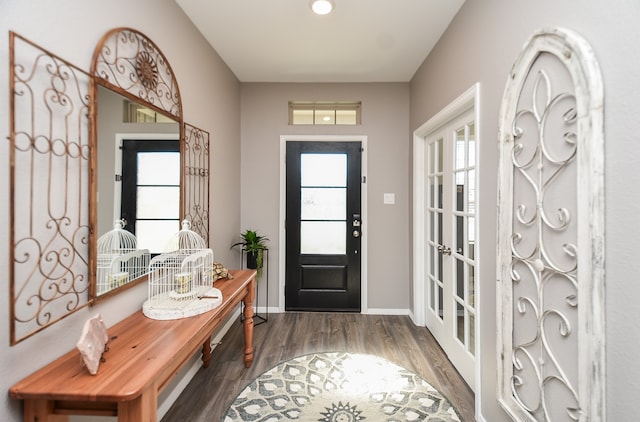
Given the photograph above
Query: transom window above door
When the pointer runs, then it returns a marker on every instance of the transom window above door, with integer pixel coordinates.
(324, 112)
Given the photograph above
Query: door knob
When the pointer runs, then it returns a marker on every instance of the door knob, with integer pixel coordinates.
(356, 233)
(444, 250)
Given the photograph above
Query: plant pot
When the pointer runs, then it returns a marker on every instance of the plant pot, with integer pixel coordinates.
(252, 260)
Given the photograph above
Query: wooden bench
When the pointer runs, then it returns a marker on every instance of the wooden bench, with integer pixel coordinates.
(143, 356)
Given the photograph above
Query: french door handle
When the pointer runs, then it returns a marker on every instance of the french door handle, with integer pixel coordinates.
(443, 249)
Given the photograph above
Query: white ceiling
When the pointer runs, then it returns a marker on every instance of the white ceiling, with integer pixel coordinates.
(284, 41)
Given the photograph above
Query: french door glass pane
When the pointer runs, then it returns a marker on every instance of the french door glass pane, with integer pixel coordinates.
(439, 155)
(323, 170)
(460, 324)
(471, 191)
(472, 288)
(323, 203)
(459, 235)
(158, 168)
(471, 145)
(432, 295)
(323, 237)
(460, 160)
(440, 273)
(431, 154)
(158, 202)
(472, 328)
(471, 226)
(432, 191)
(432, 235)
(459, 279)
(460, 188)
(440, 296)
(433, 253)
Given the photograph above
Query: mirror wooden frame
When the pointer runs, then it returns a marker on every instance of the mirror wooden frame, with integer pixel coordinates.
(128, 63)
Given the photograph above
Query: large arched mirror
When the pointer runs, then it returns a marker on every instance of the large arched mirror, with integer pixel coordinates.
(137, 167)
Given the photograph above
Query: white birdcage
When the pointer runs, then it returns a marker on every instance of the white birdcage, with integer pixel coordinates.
(119, 261)
(181, 279)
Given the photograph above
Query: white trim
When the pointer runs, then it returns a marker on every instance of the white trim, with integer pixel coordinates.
(386, 311)
(281, 235)
(469, 100)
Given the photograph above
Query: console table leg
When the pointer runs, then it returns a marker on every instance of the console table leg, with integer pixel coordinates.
(206, 352)
(248, 323)
(41, 411)
(142, 408)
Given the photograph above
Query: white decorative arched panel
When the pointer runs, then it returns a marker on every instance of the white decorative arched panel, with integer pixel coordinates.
(550, 264)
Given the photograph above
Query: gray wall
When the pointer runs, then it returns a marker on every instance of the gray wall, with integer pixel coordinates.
(385, 120)
(211, 101)
(480, 46)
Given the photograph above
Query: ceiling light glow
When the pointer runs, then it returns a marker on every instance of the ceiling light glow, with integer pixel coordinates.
(322, 7)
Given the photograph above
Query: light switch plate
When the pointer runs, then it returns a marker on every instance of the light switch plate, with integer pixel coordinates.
(389, 198)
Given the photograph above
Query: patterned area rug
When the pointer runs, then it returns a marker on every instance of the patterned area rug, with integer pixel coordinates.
(340, 387)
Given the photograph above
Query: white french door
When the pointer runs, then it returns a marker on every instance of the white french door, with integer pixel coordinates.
(450, 227)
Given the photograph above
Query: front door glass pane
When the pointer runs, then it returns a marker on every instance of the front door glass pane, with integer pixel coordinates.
(323, 237)
(323, 170)
(323, 203)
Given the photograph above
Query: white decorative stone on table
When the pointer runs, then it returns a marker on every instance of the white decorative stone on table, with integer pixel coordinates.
(92, 343)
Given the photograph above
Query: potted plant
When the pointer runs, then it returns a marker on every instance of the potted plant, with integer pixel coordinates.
(254, 245)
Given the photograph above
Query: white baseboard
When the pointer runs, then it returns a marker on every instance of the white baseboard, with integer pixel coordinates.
(272, 310)
(385, 311)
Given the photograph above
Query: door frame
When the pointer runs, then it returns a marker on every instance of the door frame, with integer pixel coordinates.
(470, 99)
(283, 208)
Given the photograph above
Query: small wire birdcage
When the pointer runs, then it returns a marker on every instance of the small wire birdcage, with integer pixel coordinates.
(119, 260)
(181, 279)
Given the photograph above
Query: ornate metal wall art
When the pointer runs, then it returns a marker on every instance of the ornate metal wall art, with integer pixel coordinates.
(129, 63)
(551, 240)
(196, 179)
(49, 216)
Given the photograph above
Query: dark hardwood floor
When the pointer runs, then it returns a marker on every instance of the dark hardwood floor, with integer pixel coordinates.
(292, 334)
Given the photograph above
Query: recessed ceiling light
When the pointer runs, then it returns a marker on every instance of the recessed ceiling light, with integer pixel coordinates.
(322, 7)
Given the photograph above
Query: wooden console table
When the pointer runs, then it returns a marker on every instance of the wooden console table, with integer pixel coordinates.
(143, 356)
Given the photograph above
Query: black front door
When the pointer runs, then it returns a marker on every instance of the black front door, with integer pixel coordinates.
(323, 226)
